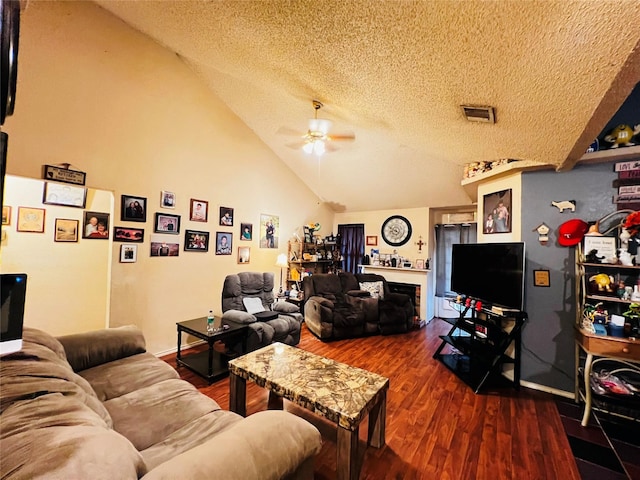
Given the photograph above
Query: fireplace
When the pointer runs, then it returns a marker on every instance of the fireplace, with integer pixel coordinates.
(408, 289)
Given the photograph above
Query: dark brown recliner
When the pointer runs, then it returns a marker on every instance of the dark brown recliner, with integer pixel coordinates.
(396, 310)
(336, 308)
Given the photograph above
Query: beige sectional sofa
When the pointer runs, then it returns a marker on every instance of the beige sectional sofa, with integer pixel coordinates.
(97, 405)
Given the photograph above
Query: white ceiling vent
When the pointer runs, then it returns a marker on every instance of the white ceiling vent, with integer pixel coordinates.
(479, 113)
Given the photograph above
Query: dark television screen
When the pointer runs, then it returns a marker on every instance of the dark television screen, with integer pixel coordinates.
(491, 272)
(12, 295)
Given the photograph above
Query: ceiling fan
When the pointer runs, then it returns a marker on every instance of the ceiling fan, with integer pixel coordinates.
(317, 140)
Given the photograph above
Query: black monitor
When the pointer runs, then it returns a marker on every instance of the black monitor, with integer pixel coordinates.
(13, 289)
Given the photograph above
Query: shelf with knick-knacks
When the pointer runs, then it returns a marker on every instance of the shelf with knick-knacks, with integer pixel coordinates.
(309, 258)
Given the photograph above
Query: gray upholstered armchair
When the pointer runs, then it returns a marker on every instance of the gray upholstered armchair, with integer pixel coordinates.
(285, 327)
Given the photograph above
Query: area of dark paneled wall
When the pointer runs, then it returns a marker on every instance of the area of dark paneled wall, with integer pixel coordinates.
(548, 338)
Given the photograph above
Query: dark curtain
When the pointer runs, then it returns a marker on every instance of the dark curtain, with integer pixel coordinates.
(351, 246)
(446, 236)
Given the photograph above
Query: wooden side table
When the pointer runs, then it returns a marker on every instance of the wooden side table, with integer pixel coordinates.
(614, 348)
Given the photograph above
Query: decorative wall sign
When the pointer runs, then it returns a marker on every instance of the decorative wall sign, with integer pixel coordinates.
(65, 175)
(541, 278)
(602, 247)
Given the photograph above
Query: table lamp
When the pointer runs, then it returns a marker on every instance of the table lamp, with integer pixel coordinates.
(282, 263)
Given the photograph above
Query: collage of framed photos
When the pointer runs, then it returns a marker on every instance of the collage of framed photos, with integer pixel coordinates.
(168, 229)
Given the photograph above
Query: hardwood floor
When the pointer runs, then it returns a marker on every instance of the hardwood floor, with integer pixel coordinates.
(437, 428)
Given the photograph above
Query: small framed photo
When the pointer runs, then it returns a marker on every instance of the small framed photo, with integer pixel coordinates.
(64, 194)
(167, 199)
(128, 253)
(244, 254)
(226, 217)
(163, 246)
(31, 219)
(372, 240)
(419, 265)
(133, 209)
(195, 241)
(6, 215)
(66, 230)
(199, 210)
(96, 225)
(541, 278)
(127, 234)
(246, 231)
(223, 243)
(167, 223)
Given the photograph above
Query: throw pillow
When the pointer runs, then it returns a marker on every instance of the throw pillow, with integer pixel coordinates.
(376, 289)
(286, 307)
(253, 304)
(238, 316)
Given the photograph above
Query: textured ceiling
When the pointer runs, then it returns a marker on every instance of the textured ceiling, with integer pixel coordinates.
(395, 73)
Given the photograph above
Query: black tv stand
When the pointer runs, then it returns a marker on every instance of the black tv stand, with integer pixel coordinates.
(477, 346)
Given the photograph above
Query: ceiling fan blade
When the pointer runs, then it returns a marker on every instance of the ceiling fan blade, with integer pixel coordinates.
(342, 136)
(289, 131)
(296, 145)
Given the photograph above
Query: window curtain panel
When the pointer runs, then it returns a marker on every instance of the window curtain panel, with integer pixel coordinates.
(352, 246)
(446, 236)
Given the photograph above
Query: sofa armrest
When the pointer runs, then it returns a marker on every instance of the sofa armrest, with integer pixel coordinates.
(90, 349)
(359, 293)
(321, 301)
(239, 317)
(272, 444)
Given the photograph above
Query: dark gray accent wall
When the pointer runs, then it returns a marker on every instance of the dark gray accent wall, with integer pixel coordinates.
(548, 356)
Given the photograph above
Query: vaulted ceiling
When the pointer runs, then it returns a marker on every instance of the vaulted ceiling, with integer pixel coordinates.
(395, 74)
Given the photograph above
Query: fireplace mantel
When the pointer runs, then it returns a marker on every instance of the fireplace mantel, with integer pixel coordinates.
(412, 276)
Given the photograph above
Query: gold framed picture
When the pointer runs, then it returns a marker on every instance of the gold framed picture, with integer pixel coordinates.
(66, 230)
(31, 219)
(541, 278)
(6, 215)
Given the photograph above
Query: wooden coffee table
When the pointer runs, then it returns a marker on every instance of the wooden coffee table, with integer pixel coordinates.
(336, 391)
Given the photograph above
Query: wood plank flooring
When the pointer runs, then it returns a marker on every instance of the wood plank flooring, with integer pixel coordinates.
(437, 428)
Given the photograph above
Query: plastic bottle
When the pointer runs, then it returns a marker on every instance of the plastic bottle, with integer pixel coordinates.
(210, 322)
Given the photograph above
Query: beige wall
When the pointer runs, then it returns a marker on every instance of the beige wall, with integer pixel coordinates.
(67, 282)
(99, 95)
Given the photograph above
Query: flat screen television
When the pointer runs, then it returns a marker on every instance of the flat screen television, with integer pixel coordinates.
(12, 295)
(490, 272)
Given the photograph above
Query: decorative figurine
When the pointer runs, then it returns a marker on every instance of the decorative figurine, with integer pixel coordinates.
(592, 257)
(565, 205)
(622, 135)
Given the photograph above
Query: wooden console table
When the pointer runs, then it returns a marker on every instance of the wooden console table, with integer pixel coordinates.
(611, 348)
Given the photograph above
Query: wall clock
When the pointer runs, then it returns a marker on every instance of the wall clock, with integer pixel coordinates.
(396, 230)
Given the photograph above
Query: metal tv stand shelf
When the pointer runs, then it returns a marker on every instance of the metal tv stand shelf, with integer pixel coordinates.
(477, 347)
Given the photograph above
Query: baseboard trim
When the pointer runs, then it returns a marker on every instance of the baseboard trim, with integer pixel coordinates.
(182, 347)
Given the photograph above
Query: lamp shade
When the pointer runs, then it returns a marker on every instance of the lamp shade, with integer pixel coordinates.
(282, 260)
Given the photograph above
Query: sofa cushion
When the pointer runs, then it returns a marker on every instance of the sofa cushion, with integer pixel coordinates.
(89, 349)
(128, 374)
(188, 436)
(55, 436)
(165, 407)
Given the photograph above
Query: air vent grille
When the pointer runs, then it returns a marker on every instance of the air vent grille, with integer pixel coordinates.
(479, 113)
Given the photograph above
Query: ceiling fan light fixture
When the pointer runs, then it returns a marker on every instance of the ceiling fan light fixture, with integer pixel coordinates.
(316, 147)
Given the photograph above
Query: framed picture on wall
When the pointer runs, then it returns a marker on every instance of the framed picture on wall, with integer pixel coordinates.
(96, 225)
(64, 194)
(223, 243)
(226, 217)
(372, 240)
(66, 230)
(269, 230)
(6, 215)
(133, 209)
(167, 223)
(128, 253)
(167, 199)
(196, 241)
(497, 212)
(198, 210)
(128, 234)
(244, 254)
(246, 231)
(30, 219)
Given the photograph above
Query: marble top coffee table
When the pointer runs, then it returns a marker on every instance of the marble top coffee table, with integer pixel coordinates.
(336, 391)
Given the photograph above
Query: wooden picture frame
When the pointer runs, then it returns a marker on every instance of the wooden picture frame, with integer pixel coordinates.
(246, 232)
(64, 194)
(6, 215)
(224, 243)
(497, 212)
(167, 223)
(95, 226)
(196, 241)
(226, 217)
(30, 220)
(541, 278)
(372, 240)
(128, 234)
(133, 209)
(198, 210)
(128, 253)
(244, 255)
(66, 230)
(167, 199)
